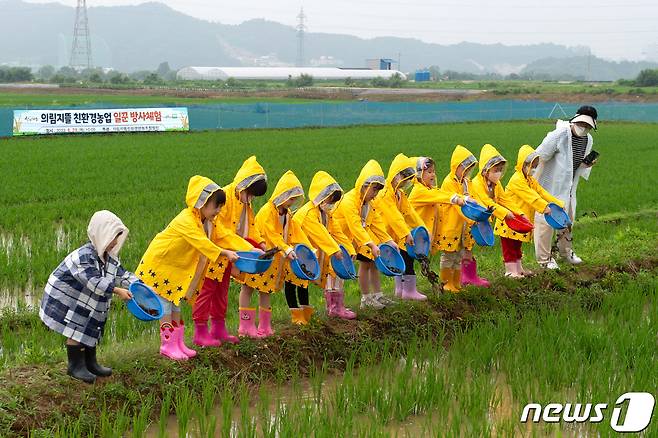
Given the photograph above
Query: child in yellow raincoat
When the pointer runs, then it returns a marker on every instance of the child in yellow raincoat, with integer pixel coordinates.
(400, 218)
(488, 190)
(426, 198)
(361, 221)
(274, 222)
(453, 236)
(530, 197)
(175, 261)
(238, 217)
(316, 219)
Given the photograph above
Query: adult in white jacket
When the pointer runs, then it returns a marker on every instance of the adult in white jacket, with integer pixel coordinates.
(560, 167)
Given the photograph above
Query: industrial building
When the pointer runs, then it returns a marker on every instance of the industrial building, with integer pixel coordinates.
(282, 73)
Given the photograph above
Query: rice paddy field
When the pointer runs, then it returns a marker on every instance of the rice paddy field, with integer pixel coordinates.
(457, 365)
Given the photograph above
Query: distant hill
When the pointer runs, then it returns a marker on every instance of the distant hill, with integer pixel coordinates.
(130, 38)
(585, 68)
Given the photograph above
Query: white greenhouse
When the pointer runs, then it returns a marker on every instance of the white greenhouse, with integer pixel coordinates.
(281, 73)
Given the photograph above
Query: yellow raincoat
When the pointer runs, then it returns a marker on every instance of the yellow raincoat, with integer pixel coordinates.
(526, 193)
(453, 229)
(396, 210)
(495, 197)
(320, 227)
(426, 201)
(280, 231)
(236, 220)
(175, 260)
(361, 222)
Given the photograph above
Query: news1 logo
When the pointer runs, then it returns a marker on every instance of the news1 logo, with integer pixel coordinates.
(639, 409)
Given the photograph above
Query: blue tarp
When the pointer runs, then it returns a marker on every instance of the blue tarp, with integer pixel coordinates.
(293, 115)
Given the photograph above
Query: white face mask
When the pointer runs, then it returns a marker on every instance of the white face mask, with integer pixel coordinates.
(494, 177)
(580, 131)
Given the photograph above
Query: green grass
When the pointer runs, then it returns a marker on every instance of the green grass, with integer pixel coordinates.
(539, 87)
(37, 100)
(121, 95)
(142, 178)
(575, 330)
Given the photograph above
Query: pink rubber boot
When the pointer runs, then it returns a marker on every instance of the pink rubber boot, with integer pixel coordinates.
(470, 276)
(409, 291)
(398, 286)
(265, 323)
(169, 343)
(341, 311)
(202, 337)
(218, 331)
(332, 310)
(180, 338)
(247, 322)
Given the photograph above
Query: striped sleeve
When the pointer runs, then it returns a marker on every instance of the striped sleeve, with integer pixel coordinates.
(83, 268)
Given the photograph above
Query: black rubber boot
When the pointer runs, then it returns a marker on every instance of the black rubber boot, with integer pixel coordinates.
(77, 367)
(93, 366)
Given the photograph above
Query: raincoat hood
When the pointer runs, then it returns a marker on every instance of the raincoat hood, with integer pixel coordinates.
(461, 155)
(489, 157)
(249, 172)
(422, 163)
(322, 186)
(371, 173)
(286, 188)
(525, 158)
(401, 165)
(102, 229)
(199, 189)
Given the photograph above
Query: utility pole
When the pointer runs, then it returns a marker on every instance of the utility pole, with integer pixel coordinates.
(81, 50)
(301, 28)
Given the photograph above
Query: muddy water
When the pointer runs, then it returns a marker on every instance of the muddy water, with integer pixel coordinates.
(19, 299)
(20, 246)
(14, 246)
(503, 409)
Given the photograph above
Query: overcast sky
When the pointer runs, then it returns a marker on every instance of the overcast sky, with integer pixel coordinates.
(613, 29)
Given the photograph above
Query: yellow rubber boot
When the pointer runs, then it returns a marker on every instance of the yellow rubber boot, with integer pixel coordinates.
(308, 312)
(297, 316)
(447, 280)
(457, 279)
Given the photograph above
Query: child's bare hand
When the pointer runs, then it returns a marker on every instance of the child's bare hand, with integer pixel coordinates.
(510, 216)
(292, 255)
(461, 202)
(339, 255)
(409, 240)
(547, 210)
(374, 249)
(232, 256)
(124, 294)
